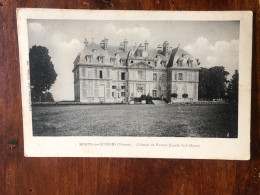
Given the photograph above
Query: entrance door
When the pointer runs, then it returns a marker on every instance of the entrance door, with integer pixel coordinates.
(140, 91)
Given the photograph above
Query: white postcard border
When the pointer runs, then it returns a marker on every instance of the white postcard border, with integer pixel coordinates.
(159, 147)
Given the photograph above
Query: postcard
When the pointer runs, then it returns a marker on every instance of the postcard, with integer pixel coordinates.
(135, 84)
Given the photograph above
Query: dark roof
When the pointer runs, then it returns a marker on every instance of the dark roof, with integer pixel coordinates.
(179, 53)
(153, 53)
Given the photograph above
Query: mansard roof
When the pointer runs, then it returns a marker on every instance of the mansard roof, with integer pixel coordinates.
(113, 50)
(172, 57)
(95, 49)
(180, 54)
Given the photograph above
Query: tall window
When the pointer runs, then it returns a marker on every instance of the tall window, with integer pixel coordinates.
(113, 94)
(122, 75)
(100, 74)
(180, 76)
(113, 87)
(123, 94)
(170, 76)
(154, 76)
(154, 93)
(122, 87)
(140, 75)
(84, 72)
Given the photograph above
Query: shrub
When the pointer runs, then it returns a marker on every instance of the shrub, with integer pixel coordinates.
(143, 97)
(185, 95)
(149, 99)
(174, 95)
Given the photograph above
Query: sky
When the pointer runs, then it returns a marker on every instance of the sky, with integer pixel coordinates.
(214, 43)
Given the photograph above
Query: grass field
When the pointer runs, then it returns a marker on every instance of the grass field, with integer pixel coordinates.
(136, 120)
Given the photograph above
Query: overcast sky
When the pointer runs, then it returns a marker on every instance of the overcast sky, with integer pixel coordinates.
(214, 43)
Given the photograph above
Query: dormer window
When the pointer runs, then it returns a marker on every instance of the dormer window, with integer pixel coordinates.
(113, 60)
(101, 59)
(179, 62)
(189, 62)
(88, 58)
(164, 63)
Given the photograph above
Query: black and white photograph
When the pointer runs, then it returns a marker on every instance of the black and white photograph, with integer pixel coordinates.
(155, 78)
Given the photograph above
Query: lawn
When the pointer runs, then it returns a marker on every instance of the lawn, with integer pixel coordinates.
(136, 120)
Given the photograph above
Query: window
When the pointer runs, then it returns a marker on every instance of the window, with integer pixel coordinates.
(140, 75)
(132, 61)
(164, 77)
(113, 94)
(155, 64)
(112, 60)
(84, 72)
(180, 76)
(100, 74)
(122, 87)
(179, 62)
(149, 62)
(154, 76)
(101, 59)
(170, 76)
(113, 87)
(122, 75)
(163, 63)
(88, 58)
(154, 93)
(123, 94)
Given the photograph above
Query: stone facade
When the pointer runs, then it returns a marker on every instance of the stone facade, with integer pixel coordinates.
(104, 73)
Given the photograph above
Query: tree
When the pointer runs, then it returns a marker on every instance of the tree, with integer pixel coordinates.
(42, 73)
(232, 90)
(47, 97)
(212, 83)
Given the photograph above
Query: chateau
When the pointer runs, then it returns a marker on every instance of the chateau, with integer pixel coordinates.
(105, 73)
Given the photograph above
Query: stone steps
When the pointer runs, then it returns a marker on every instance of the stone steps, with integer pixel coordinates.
(158, 102)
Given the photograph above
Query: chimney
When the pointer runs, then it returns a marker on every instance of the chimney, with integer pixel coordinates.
(125, 45)
(165, 47)
(146, 45)
(86, 42)
(103, 43)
